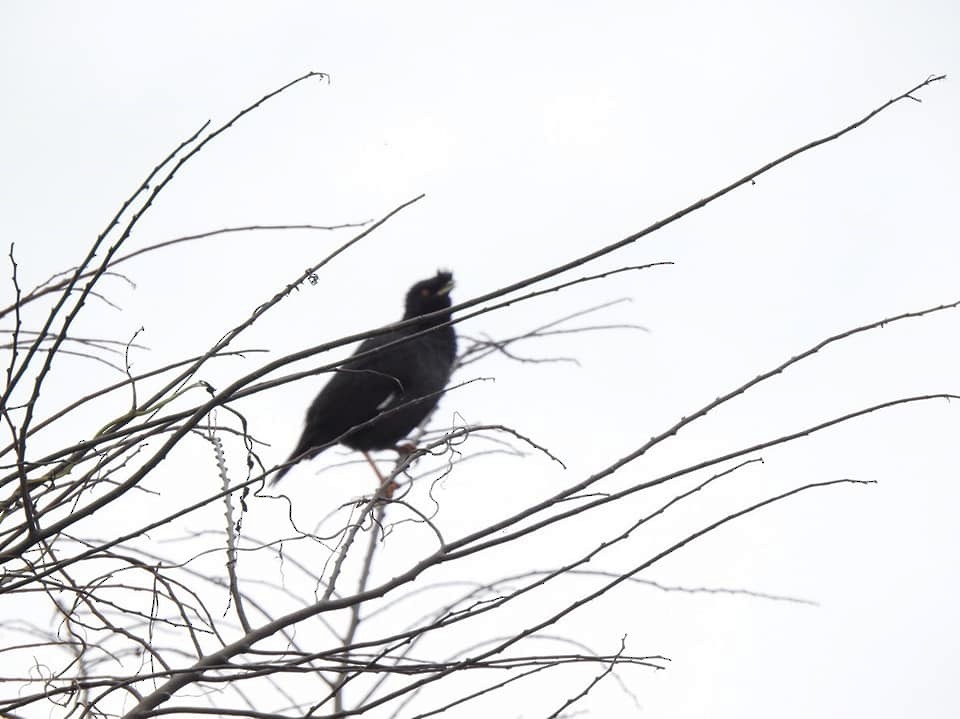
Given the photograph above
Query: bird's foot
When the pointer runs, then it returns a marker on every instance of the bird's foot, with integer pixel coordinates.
(388, 489)
(383, 492)
(386, 485)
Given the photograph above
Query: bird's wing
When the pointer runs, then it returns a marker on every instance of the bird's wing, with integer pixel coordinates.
(360, 388)
(388, 400)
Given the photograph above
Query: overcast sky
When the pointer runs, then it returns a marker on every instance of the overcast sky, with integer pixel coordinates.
(540, 131)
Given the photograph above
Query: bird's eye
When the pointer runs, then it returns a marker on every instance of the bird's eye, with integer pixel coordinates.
(425, 292)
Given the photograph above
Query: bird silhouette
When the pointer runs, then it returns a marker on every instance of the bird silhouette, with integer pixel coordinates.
(374, 402)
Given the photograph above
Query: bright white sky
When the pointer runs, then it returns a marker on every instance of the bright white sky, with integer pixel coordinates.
(540, 131)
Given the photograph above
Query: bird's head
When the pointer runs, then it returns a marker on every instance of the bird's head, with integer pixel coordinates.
(429, 295)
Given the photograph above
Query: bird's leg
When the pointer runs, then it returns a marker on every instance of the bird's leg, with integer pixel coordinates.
(405, 448)
(389, 486)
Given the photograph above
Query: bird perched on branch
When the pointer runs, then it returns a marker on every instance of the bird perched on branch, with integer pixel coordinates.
(373, 402)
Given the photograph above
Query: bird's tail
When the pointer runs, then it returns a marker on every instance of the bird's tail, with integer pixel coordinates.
(304, 450)
(279, 475)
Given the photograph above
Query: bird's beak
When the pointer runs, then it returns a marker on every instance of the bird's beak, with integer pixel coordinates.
(445, 290)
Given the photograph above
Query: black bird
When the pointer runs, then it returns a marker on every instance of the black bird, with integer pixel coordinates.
(403, 383)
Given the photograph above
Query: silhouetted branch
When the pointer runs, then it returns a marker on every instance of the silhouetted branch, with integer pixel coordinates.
(143, 615)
